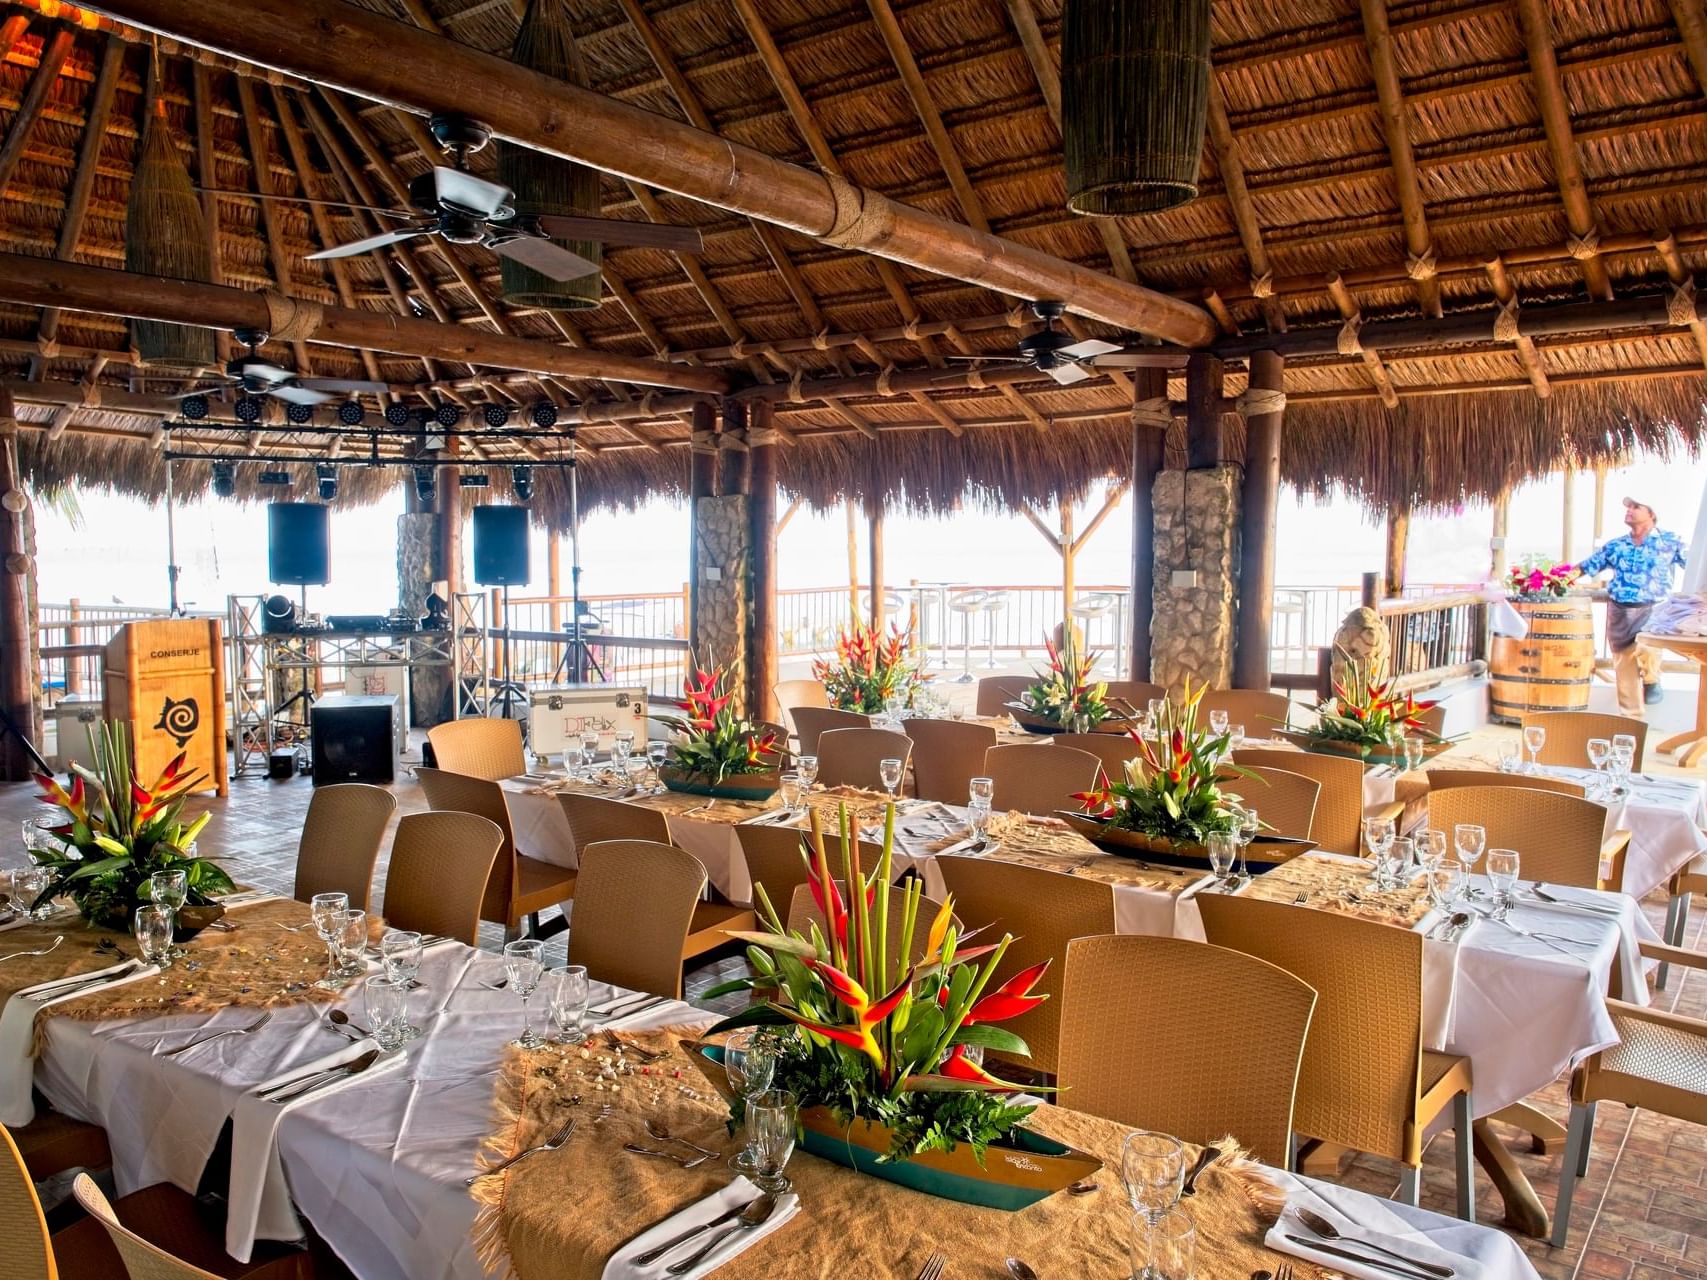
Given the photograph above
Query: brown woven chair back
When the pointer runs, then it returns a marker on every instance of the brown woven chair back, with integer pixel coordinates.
(798, 693)
(1135, 693)
(947, 755)
(995, 692)
(1362, 1073)
(1141, 1016)
(143, 1260)
(1259, 710)
(1568, 733)
(803, 913)
(1044, 910)
(479, 747)
(774, 860)
(1113, 749)
(1558, 838)
(340, 841)
(448, 792)
(1039, 779)
(811, 723)
(634, 905)
(441, 865)
(1338, 825)
(594, 818)
(849, 757)
(1285, 802)
(28, 1254)
(1433, 720)
(1448, 779)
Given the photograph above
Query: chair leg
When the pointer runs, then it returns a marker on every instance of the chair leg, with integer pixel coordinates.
(1588, 1142)
(1410, 1185)
(511, 932)
(1576, 1157)
(1464, 1155)
(1670, 935)
(533, 924)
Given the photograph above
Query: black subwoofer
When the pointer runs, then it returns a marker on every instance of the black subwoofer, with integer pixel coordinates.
(354, 739)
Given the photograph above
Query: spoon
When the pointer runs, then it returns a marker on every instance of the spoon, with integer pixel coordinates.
(341, 1022)
(1322, 1227)
(1456, 924)
(1019, 1271)
(752, 1216)
(1083, 1187)
(1205, 1158)
(656, 1128)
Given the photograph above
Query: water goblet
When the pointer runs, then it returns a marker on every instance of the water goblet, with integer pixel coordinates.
(327, 912)
(169, 889)
(1413, 752)
(1401, 859)
(790, 789)
(1235, 736)
(621, 747)
(1218, 721)
(634, 769)
(1599, 753)
(1502, 875)
(807, 768)
(522, 961)
(1469, 839)
(1511, 757)
(658, 751)
(152, 926)
(982, 789)
(1431, 844)
(400, 954)
(1164, 1247)
(1378, 835)
(566, 998)
(1152, 1166)
(1624, 754)
(351, 940)
(1534, 738)
(1223, 850)
(889, 774)
(28, 885)
(1445, 882)
(589, 752)
(978, 819)
(388, 1012)
(772, 1118)
(38, 832)
(749, 1060)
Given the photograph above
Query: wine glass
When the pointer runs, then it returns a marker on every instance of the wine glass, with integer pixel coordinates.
(351, 940)
(1223, 850)
(1431, 844)
(327, 912)
(152, 925)
(621, 747)
(400, 954)
(749, 1060)
(889, 774)
(1164, 1247)
(983, 790)
(1502, 875)
(1152, 1166)
(1218, 720)
(1401, 859)
(522, 961)
(388, 1012)
(1445, 882)
(772, 1117)
(1413, 753)
(589, 751)
(658, 751)
(1534, 738)
(807, 768)
(790, 789)
(169, 889)
(1511, 757)
(1469, 839)
(28, 884)
(1599, 753)
(566, 998)
(1623, 758)
(1378, 835)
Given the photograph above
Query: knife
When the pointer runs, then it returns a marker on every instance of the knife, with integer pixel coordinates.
(1381, 1264)
(318, 1080)
(77, 986)
(629, 1011)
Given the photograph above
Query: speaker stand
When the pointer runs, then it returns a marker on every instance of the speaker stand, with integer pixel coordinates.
(509, 692)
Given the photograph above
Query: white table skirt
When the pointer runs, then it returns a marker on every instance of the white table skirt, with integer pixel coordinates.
(1664, 817)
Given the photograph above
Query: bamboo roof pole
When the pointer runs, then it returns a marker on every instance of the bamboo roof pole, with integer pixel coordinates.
(54, 52)
(207, 173)
(1231, 161)
(391, 62)
(1349, 342)
(1691, 19)
(1500, 280)
(260, 166)
(853, 561)
(1683, 288)
(1568, 513)
(1567, 169)
(1395, 125)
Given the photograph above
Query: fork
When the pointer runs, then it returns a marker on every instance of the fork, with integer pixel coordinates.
(211, 1036)
(932, 1270)
(49, 947)
(1283, 1271)
(552, 1143)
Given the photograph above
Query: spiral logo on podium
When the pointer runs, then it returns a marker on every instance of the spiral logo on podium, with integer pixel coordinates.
(180, 720)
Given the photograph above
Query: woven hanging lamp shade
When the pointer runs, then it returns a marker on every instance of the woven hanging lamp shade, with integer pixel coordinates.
(545, 184)
(166, 236)
(1134, 102)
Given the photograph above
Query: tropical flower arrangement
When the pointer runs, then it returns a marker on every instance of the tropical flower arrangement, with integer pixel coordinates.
(870, 669)
(1065, 694)
(1369, 714)
(711, 740)
(884, 1042)
(1170, 791)
(117, 833)
(1538, 578)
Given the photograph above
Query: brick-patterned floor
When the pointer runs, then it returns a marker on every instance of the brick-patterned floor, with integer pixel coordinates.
(1641, 1214)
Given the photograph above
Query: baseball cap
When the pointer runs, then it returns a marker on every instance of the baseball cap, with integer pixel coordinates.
(1637, 502)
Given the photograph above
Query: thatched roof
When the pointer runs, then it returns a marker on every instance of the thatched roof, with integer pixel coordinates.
(1299, 187)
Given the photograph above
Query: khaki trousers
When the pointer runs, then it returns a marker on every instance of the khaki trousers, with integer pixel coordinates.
(1632, 668)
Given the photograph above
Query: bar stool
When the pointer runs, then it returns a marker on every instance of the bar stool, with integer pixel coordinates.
(966, 603)
(1089, 608)
(994, 603)
(892, 604)
(1291, 607)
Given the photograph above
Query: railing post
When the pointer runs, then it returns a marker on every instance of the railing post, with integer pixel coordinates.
(1373, 590)
(1324, 673)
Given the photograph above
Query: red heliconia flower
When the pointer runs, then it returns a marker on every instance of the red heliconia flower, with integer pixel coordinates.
(1098, 802)
(957, 1066)
(1010, 999)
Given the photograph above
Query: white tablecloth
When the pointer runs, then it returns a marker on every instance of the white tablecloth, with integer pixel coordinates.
(1664, 817)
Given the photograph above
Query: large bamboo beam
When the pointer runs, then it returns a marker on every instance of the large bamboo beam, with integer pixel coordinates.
(1396, 126)
(763, 528)
(54, 53)
(346, 47)
(1348, 340)
(1259, 507)
(1506, 294)
(1149, 440)
(17, 572)
(74, 286)
(1231, 161)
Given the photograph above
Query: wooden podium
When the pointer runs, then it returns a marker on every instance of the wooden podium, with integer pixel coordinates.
(165, 682)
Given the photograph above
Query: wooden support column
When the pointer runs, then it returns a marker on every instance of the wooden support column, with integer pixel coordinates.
(1568, 515)
(1398, 541)
(554, 576)
(1496, 542)
(761, 516)
(702, 483)
(1205, 442)
(1259, 506)
(449, 507)
(1599, 502)
(1148, 449)
(853, 561)
(1069, 554)
(874, 551)
(732, 449)
(17, 573)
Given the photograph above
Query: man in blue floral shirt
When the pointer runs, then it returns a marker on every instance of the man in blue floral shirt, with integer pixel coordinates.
(1642, 563)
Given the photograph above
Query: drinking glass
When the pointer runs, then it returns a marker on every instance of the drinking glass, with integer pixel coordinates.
(1378, 835)
(1249, 825)
(1599, 752)
(1534, 738)
(807, 768)
(1218, 722)
(1469, 839)
(1155, 707)
(1431, 844)
(1502, 875)
(1223, 849)
(621, 747)
(978, 819)
(169, 889)
(589, 751)
(351, 939)
(634, 769)
(750, 1064)
(772, 1117)
(1511, 757)
(791, 790)
(38, 832)
(1623, 754)
(566, 997)
(1445, 881)
(327, 912)
(1163, 1247)
(983, 789)
(1235, 736)
(1152, 1166)
(1413, 753)
(889, 774)
(152, 926)
(1401, 859)
(28, 884)
(522, 961)
(388, 1012)
(658, 751)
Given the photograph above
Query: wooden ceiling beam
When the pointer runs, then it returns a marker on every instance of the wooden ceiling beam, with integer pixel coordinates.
(54, 53)
(1231, 163)
(1500, 280)
(260, 165)
(1350, 343)
(1396, 126)
(1683, 288)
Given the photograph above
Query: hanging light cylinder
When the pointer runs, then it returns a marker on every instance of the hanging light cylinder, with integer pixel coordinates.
(1134, 103)
(545, 184)
(165, 235)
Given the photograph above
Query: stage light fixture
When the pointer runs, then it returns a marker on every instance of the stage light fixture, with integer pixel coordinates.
(351, 413)
(327, 477)
(298, 413)
(274, 478)
(397, 415)
(224, 479)
(544, 414)
(448, 415)
(496, 416)
(521, 480)
(426, 483)
(193, 408)
(247, 408)
(475, 480)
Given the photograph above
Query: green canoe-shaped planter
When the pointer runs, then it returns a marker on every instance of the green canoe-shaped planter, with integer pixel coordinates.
(1264, 854)
(1022, 1171)
(733, 786)
(1356, 751)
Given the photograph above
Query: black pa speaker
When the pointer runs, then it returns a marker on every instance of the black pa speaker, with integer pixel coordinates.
(299, 543)
(354, 739)
(501, 546)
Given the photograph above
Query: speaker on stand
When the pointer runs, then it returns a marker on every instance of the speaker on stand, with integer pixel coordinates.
(299, 552)
(501, 560)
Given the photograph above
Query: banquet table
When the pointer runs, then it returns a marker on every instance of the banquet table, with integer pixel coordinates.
(378, 1167)
(1689, 747)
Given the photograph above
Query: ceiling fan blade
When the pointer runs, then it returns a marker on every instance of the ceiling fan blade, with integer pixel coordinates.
(261, 369)
(338, 204)
(352, 385)
(953, 357)
(619, 231)
(1158, 358)
(289, 391)
(465, 191)
(199, 391)
(544, 257)
(1067, 374)
(369, 244)
(1089, 347)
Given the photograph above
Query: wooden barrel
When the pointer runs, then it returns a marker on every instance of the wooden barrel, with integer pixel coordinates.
(1550, 668)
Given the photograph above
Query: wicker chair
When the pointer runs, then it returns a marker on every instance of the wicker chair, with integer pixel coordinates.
(1044, 910)
(441, 867)
(1448, 779)
(520, 887)
(803, 913)
(1659, 1064)
(1367, 1083)
(784, 756)
(1140, 1017)
(1113, 749)
(479, 748)
(1285, 802)
(1690, 880)
(850, 757)
(53, 1142)
(995, 692)
(811, 723)
(1039, 779)
(1560, 839)
(1136, 693)
(947, 755)
(1260, 711)
(340, 841)
(634, 914)
(1433, 720)
(1338, 825)
(774, 860)
(29, 1251)
(1568, 733)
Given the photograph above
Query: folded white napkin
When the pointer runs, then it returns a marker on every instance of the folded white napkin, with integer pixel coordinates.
(1440, 982)
(1374, 1221)
(18, 1031)
(259, 1202)
(736, 1195)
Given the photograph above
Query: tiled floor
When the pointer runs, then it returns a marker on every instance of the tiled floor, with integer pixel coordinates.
(1641, 1214)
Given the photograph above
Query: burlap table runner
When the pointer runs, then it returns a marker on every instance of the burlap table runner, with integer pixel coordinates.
(1345, 887)
(560, 1216)
(76, 954)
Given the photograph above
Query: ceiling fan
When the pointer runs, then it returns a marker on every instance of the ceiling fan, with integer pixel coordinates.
(256, 377)
(1053, 351)
(455, 205)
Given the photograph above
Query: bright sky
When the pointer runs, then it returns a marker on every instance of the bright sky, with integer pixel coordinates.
(119, 550)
